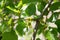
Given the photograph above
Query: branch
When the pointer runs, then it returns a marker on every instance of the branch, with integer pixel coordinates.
(40, 17)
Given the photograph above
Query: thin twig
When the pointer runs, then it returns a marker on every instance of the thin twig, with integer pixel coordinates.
(40, 17)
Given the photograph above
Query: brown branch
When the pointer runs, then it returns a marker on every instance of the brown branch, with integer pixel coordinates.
(40, 17)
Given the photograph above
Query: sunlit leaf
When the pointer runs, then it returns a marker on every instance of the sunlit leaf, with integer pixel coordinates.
(12, 9)
(0, 10)
(19, 4)
(49, 35)
(56, 0)
(10, 21)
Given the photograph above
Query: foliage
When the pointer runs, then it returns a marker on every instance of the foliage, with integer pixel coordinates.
(19, 17)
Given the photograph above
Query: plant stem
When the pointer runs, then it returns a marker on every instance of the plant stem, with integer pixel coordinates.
(40, 17)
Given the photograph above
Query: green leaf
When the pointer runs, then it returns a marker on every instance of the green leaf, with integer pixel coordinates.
(50, 19)
(49, 35)
(56, 15)
(31, 9)
(53, 16)
(41, 6)
(12, 9)
(9, 36)
(38, 39)
(30, 1)
(56, 0)
(0, 32)
(0, 35)
(5, 27)
(2, 3)
(0, 0)
(55, 32)
(10, 21)
(40, 28)
(55, 6)
(7, 11)
(58, 24)
(0, 10)
(10, 3)
(21, 25)
(19, 4)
